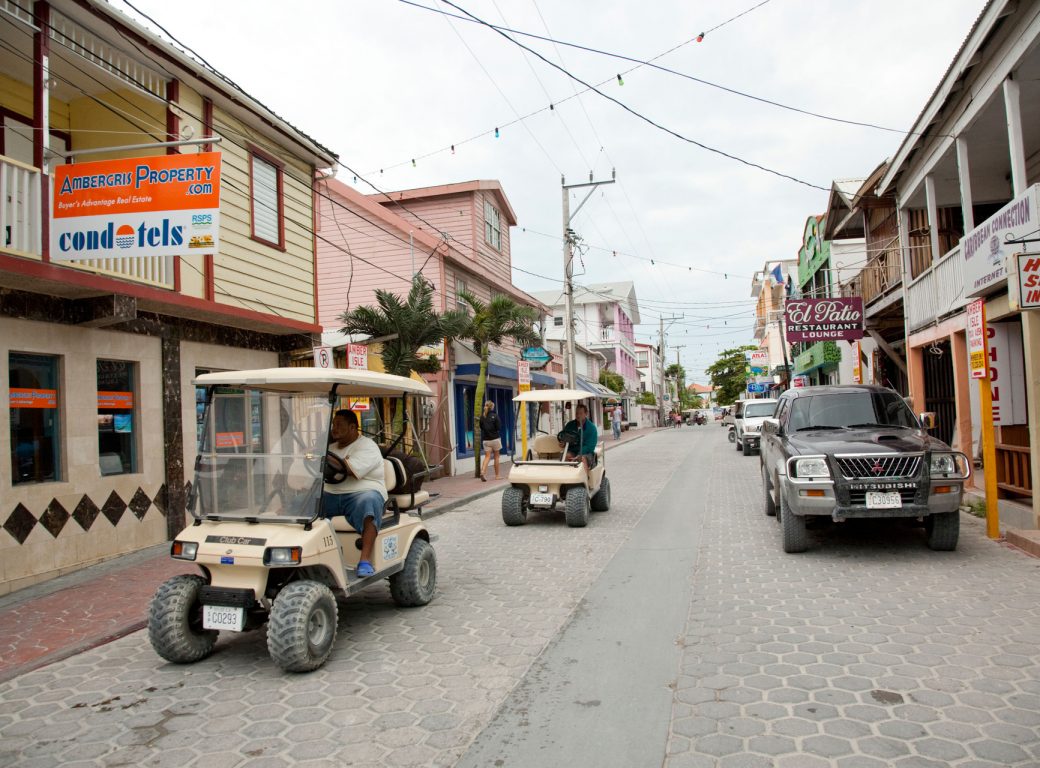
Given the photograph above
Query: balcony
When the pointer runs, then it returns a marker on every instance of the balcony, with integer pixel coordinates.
(19, 209)
(882, 274)
(937, 292)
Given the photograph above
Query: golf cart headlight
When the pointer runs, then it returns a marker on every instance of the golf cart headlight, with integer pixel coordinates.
(945, 464)
(283, 555)
(184, 550)
(816, 467)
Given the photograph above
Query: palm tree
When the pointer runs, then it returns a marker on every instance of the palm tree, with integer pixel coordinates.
(492, 323)
(405, 326)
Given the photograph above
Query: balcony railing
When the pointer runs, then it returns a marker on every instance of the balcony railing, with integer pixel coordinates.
(19, 209)
(880, 275)
(936, 292)
(150, 270)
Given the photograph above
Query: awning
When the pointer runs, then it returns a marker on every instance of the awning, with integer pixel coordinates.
(503, 372)
(594, 387)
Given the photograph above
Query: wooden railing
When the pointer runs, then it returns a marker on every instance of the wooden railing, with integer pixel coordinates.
(880, 275)
(19, 209)
(937, 292)
(1013, 473)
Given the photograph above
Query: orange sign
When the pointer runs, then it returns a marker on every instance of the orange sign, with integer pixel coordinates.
(115, 401)
(230, 440)
(145, 206)
(33, 398)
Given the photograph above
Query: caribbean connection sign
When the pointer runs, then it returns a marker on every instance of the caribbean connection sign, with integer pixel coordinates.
(164, 205)
(825, 319)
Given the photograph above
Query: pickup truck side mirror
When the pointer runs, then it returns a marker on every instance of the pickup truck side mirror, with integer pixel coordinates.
(927, 420)
(771, 425)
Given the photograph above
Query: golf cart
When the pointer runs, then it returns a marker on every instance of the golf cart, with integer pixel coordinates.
(546, 477)
(265, 552)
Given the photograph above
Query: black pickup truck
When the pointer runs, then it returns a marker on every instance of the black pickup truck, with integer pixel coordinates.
(858, 451)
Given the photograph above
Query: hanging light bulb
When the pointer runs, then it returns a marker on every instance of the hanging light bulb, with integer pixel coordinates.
(619, 80)
(413, 162)
(551, 106)
(453, 149)
(355, 179)
(700, 37)
(496, 133)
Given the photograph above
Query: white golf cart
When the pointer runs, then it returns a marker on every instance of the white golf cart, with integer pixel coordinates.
(265, 552)
(546, 477)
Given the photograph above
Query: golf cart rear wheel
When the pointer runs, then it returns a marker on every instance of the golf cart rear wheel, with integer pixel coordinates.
(302, 628)
(175, 621)
(414, 585)
(601, 501)
(576, 507)
(513, 512)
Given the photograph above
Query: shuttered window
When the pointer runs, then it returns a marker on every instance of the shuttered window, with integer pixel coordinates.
(492, 226)
(266, 191)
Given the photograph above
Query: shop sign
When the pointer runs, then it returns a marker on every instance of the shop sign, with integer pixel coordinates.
(230, 439)
(115, 401)
(21, 397)
(357, 356)
(857, 366)
(1024, 281)
(323, 357)
(523, 374)
(751, 387)
(359, 404)
(1007, 373)
(433, 350)
(538, 357)
(162, 205)
(986, 246)
(798, 382)
(824, 319)
(759, 362)
(976, 340)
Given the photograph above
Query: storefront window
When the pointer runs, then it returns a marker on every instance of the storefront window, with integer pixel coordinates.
(35, 418)
(116, 417)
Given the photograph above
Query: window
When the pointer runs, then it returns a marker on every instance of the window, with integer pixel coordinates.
(558, 321)
(265, 180)
(35, 418)
(642, 359)
(460, 288)
(492, 226)
(116, 408)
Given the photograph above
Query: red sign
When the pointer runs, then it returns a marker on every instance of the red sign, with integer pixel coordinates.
(825, 319)
(230, 440)
(123, 401)
(33, 398)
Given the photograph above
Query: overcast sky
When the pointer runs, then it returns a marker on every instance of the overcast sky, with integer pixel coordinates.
(381, 82)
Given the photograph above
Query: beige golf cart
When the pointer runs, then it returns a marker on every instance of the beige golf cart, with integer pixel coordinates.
(264, 551)
(546, 477)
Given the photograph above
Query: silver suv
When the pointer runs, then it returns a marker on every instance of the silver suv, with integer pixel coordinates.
(748, 416)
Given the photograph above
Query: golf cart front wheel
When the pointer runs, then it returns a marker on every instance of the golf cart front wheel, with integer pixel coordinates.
(175, 621)
(414, 585)
(576, 507)
(302, 628)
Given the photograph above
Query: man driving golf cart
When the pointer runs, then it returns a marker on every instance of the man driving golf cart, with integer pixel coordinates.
(580, 437)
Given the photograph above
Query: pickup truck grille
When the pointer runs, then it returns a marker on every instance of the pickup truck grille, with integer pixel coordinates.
(873, 467)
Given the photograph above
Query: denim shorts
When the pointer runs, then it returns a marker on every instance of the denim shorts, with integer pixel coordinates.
(355, 507)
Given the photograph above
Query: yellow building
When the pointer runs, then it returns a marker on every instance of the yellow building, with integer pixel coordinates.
(99, 353)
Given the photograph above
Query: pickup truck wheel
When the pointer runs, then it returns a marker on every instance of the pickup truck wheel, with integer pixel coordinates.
(737, 441)
(943, 531)
(745, 448)
(767, 498)
(794, 535)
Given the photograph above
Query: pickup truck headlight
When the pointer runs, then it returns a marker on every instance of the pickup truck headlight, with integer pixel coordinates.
(946, 464)
(811, 467)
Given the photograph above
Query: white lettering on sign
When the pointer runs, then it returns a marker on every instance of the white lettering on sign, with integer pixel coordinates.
(824, 319)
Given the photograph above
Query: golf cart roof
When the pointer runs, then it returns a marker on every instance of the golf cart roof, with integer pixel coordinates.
(552, 395)
(351, 382)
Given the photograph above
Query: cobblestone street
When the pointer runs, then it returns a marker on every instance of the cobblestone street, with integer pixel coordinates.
(867, 651)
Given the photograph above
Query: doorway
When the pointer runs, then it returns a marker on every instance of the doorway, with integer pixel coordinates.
(939, 388)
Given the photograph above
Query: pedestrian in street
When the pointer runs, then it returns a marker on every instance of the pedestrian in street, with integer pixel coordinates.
(490, 438)
(615, 422)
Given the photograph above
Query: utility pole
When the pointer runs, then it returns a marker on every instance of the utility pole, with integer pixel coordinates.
(678, 390)
(569, 238)
(661, 354)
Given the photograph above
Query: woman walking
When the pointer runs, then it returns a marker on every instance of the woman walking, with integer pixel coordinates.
(490, 438)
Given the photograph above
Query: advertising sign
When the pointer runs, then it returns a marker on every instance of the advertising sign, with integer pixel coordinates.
(163, 205)
(1024, 283)
(751, 387)
(23, 397)
(435, 350)
(986, 246)
(857, 366)
(115, 401)
(357, 356)
(759, 362)
(976, 340)
(538, 357)
(523, 373)
(323, 357)
(360, 404)
(799, 381)
(824, 319)
(1007, 374)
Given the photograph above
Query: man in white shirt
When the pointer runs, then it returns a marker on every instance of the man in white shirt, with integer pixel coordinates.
(354, 484)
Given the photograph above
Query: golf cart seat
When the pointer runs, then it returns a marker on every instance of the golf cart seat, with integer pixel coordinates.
(394, 476)
(546, 447)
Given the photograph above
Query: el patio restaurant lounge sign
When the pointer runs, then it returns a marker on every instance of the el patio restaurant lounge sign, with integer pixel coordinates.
(825, 319)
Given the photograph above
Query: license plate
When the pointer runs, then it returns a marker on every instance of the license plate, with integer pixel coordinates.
(877, 500)
(223, 617)
(541, 499)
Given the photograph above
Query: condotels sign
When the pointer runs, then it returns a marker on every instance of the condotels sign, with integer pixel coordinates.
(164, 205)
(825, 319)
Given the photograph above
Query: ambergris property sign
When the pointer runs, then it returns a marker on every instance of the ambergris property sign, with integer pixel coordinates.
(824, 319)
(986, 246)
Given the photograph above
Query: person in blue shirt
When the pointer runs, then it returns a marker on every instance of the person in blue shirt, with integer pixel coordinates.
(579, 436)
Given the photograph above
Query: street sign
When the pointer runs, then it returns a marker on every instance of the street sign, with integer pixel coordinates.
(757, 387)
(523, 372)
(357, 356)
(538, 357)
(977, 365)
(1024, 281)
(323, 357)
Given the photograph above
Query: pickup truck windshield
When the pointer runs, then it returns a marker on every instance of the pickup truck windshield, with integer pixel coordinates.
(849, 408)
(758, 410)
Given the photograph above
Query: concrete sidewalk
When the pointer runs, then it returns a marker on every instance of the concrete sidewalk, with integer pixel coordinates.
(70, 614)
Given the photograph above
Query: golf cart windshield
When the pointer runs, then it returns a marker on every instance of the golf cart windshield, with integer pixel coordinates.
(260, 455)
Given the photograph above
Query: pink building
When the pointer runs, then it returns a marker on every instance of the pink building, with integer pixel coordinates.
(367, 242)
